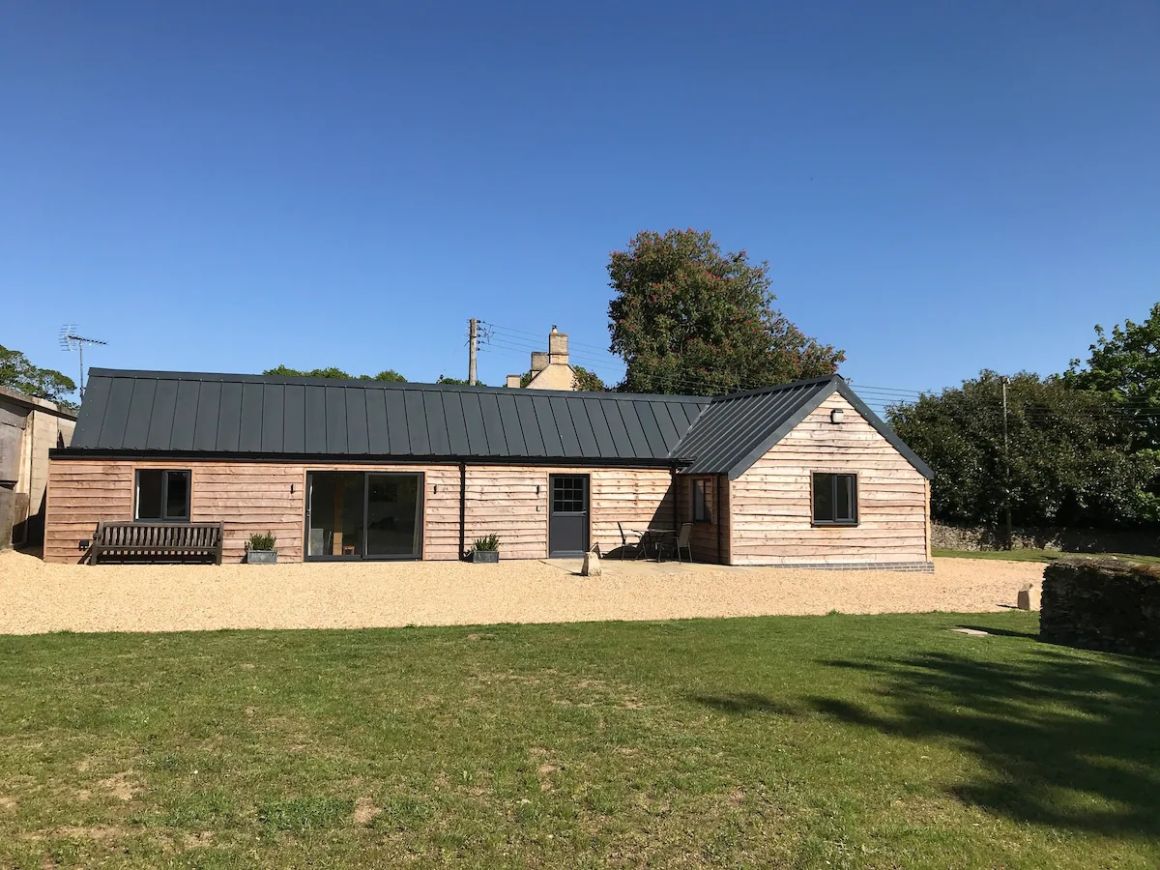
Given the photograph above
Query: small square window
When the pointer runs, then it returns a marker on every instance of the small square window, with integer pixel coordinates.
(162, 495)
(701, 501)
(835, 499)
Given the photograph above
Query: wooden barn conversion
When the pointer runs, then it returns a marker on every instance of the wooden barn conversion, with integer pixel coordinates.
(801, 474)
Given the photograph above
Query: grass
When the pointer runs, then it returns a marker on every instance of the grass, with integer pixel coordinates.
(838, 741)
(1031, 555)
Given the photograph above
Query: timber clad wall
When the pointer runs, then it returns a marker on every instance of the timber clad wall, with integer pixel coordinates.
(708, 539)
(771, 509)
(256, 497)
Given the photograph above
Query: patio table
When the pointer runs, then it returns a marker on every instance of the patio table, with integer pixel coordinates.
(653, 537)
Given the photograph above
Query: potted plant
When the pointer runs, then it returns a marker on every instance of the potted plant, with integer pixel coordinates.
(486, 549)
(260, 549)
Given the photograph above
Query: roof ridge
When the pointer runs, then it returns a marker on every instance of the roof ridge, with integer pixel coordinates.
(774, 388)
(306, 380)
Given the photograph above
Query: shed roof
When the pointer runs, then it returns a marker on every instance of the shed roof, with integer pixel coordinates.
(195, 413)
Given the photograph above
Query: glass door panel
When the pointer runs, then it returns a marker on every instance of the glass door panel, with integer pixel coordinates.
(392, 515)
(337, 501)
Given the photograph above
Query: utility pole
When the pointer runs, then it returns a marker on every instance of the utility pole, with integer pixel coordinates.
(472, 349)
(1006, 465)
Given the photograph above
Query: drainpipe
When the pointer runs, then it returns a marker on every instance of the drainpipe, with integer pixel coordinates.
(720, 524)
(462, 510)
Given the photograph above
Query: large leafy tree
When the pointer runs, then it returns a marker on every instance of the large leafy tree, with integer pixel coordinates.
(1071, 461)
(17, 372)
(388, 375)
(687, 318)
(1125, 367)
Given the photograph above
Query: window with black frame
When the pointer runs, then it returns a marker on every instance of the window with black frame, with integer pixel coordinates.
(701, 501)
(835, 499)
(162, 495)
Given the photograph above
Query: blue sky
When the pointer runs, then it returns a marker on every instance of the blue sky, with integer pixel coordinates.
(938, 187)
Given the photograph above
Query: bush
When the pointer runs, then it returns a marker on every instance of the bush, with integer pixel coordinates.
(488, 542)
(1102, 603)
(262, 542)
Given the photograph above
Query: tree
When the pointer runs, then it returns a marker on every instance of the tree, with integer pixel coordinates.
(1125, 367)
(461, 382)
(1070, 454)
(388, 375)
(583, 379)
(687, 318)
(587, 380)
(17, 372)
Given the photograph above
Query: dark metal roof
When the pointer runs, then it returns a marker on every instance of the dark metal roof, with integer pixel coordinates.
(261, 415)
(735, 431)
(258, 416)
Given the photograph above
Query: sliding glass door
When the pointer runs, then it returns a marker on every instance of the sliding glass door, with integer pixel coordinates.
(364, 515)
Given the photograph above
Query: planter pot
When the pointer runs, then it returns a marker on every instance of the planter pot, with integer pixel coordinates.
(261, 557)
(486, 557)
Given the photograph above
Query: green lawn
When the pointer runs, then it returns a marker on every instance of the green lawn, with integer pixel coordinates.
(1029, 555)
(838, 741)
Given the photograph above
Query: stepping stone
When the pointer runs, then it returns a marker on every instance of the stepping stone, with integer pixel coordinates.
(973, 632)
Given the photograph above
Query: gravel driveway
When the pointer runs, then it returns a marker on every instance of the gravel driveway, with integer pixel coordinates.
(35, 597)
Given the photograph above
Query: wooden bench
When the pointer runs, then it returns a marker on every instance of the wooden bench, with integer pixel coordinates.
(157, 542)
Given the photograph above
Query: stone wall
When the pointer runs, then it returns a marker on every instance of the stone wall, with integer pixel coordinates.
(1101, 603)
(1144, 542)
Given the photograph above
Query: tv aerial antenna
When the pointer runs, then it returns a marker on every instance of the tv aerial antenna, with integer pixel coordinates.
(70, 340)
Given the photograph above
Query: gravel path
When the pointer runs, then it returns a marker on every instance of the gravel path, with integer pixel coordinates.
(35, 597)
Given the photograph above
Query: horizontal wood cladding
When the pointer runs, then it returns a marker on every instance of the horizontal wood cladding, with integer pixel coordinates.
(770, 504)
(707, 538)
(510, 501)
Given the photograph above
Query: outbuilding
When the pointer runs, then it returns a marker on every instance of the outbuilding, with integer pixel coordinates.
(801, 474)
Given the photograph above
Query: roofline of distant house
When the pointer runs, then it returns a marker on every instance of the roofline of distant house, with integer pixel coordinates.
(46, 405)
(363, 458)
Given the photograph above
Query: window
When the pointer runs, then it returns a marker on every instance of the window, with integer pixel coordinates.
(701, 501)
(162, 495)
(568, 493)
(835, 499)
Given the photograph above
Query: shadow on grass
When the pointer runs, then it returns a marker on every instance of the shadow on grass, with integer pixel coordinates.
(1002, 632)
(1064, 741)
(744, 703)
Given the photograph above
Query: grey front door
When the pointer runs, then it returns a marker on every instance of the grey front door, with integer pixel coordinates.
(568, 514)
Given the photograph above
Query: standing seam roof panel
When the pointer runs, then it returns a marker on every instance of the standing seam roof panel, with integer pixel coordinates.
(209, 399)
(378, 430)
(357, 434)
(456, 424)
(533, 440)
(419, 445)
(160, 434)
(184, 416)
(250, 423)
(136, 435)
(294, 418)
(583, 427)
(493, 426)
(230, 418)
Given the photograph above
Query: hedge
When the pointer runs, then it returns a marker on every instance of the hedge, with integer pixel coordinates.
(1101, 603)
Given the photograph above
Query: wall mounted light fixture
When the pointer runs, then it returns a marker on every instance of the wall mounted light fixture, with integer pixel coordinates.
(837, 415)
